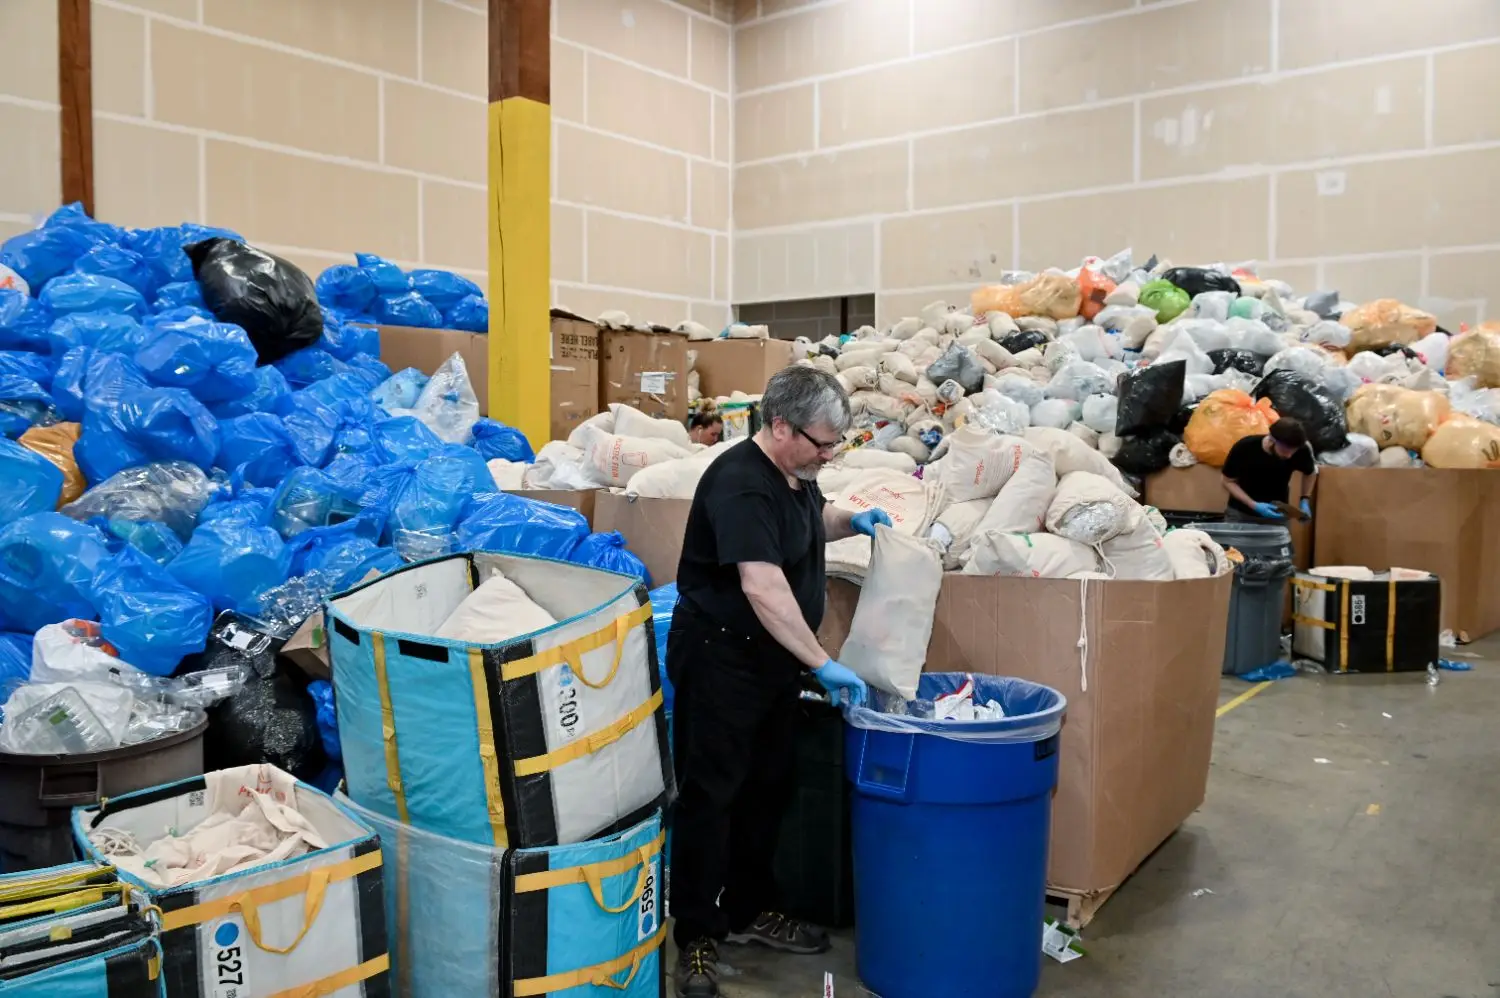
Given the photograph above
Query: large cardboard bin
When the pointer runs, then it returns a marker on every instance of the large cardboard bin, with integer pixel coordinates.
(1446, 522)
(728, 366)
(582, 500)
(645, 370)
(653, 529)
(1142, 695)
(1199, 489)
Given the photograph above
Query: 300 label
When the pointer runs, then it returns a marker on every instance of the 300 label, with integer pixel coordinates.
(568, 717)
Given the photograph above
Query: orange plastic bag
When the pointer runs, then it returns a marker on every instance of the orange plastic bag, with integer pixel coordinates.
(1094, 288)
(1463, 442)
(1055, 296)
(1396, 416)
(55, 443)
(1476, 354)
(1223, 419)
(1385, 322)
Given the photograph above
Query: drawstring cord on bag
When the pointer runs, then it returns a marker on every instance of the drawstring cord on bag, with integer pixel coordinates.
(1083, 634)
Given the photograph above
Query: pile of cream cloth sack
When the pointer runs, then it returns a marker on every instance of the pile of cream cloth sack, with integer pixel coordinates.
(1041, 504)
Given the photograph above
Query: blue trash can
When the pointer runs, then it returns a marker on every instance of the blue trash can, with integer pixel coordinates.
(950, 822)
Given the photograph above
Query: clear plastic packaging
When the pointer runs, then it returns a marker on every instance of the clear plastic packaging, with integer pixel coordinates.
(447, 404)
(1032, 712)
(53, 718)
(170, 492)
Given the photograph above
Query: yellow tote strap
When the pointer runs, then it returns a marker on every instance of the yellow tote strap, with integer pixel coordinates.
(600, 975)
(339, 981)
(313, 884)
(1390, 629)
(1313, 622)
(572, 652)
(489, 763)
(1344, 629)
(25, 887)
(1309, 584)
(59, 903)
(593, 874)
(388, 727)
(590, 743)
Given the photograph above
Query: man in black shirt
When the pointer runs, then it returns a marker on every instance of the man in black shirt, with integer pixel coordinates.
(751, 588)
(1258, 472)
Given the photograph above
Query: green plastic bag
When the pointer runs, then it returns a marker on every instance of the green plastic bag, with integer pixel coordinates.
(1168, 299)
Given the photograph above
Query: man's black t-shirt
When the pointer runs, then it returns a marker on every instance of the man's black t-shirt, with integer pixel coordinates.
(1263, 475)
(744, 510)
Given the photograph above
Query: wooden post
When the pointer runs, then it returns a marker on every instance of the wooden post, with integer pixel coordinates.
(75, 90)
(520, 215)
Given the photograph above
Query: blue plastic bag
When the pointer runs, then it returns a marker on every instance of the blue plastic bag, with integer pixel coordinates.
(346, 287)
(32, 366)
(401, 390)
(403, 440)
(408, 309)
(150, 617)
(494, 440)
(346, 340)
(24, 322)
(368, 379)
(179, 294)
(372, 366)
(479, 471)
(125, 266)
(305, 366)
(269, 392)
(15, 663)
(151, 538)
(232, 563)
(47, 567)
(499, 521)
(32, 484)
(608, 551)
(68, 384)
(307, 498)
(257, 449)
(161, 249)
(321, 692)
(345, 552)
(75, 292)
(248, 507)
(126, 423)
(342, 387)
(387, 278)
(55, 245)
(471, 314)
(107, 331)
(663, 605)
(443, 287)
(312, 426)
(212, 360)
(422, 503)
(23, 403)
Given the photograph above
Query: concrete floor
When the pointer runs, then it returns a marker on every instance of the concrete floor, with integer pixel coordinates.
(1350, 854)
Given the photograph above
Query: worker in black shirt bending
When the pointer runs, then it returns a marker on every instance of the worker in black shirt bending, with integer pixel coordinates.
(751, 588)
(1258, 472)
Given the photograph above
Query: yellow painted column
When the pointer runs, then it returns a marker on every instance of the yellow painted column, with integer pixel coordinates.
(520, 216)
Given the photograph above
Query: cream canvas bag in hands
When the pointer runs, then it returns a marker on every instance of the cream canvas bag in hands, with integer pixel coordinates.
(887, 643)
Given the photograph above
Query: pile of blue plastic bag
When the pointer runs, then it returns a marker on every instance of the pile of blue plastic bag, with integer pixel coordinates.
(213, 476)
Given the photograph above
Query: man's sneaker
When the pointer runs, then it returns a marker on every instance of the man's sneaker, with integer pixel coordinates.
(786, 935)
(698, 970)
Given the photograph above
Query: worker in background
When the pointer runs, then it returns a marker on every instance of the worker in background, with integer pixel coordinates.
(706, 426)
(751, 584)
(1258, 472)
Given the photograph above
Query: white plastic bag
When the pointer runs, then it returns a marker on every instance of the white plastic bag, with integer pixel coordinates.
(1361, 452)
(1306, 361)
(1089, 509)
(58, 656)
(1019, 387)
(887, 642)
(1055, 413)
(1099, 412)
(1078, 380)
(508, 475)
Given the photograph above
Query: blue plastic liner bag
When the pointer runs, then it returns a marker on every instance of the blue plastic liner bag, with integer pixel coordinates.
(23, 403)
(471, 314)
(212, 360)
(303, 367)
(371, 365)
(161, 249)
(550, 737)
(68, 384)
(269, 392)
(312, 426)
(15, 663)
(499, 521)
(56, 244)
(32, 366)
(118, 332)
(91, 293)
(179, 294)
(342, 387)
(424, 503)
(402, 389)
(346, 287)
(257, 448)
(125, 266)
(494, 440)
(663, 604)
(232, 563)
(407, 309)
(473, 920)
(404, 440)
(388, 278)
(310, 498)
(345, 552)
(150, 617)
(345, 340)
(145, 425)
(31, 483)
(609, 552)
(24, 322)
(47, 566)
(156, 541)
(321, 692)
(443, 287)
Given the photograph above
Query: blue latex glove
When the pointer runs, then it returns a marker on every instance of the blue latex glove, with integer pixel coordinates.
(1268, 511)
(864, 523)
(835, 677)
(1306, 506)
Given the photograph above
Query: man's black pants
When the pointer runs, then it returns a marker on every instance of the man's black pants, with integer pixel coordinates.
(734, 720)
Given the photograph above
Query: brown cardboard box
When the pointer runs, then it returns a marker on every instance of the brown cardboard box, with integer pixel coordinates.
(426, 349)
(575, 372)
(653, 529)
(580, 499)
(308, 648)
(1136, 744)
(726, 366)
(1443, 521)
(645, 370)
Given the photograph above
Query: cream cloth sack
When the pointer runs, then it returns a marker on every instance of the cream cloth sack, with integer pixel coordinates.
(1090, 509)
(1068, 453)
(1138, 553)
(1037, 556)
(1021, 506)
(631, 422)
(497, 611)
(1194, 554)
(887, 643)
(979, 462)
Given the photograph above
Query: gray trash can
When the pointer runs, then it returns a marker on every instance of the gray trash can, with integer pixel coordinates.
(1253, 638)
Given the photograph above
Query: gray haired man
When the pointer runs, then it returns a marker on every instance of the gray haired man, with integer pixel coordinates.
(751, 588)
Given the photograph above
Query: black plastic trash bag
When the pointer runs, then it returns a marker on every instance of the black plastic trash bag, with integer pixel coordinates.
(1181, 418)
(1024, 340)
(1149, 397)
(272, 719)
(1309, 403)
(271, 299)
(1237, 360)
(1196, 280)
(959, 364)
(1146, 452)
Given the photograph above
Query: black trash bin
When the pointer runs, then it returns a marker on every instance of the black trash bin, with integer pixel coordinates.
(814, 861)
(1253, 638)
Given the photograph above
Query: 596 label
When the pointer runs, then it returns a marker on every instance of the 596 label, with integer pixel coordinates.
(648, 911)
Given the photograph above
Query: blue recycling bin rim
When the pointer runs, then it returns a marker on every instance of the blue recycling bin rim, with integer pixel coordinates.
(1033, 711)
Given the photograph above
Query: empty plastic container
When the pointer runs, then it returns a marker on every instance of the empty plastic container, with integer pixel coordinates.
(950, 822)
(1253, 638)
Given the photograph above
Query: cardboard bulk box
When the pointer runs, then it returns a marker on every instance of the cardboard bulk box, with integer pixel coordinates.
(645, 370)
(1142, 695)
(653, 529)
(728, 366)
(426, 349)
